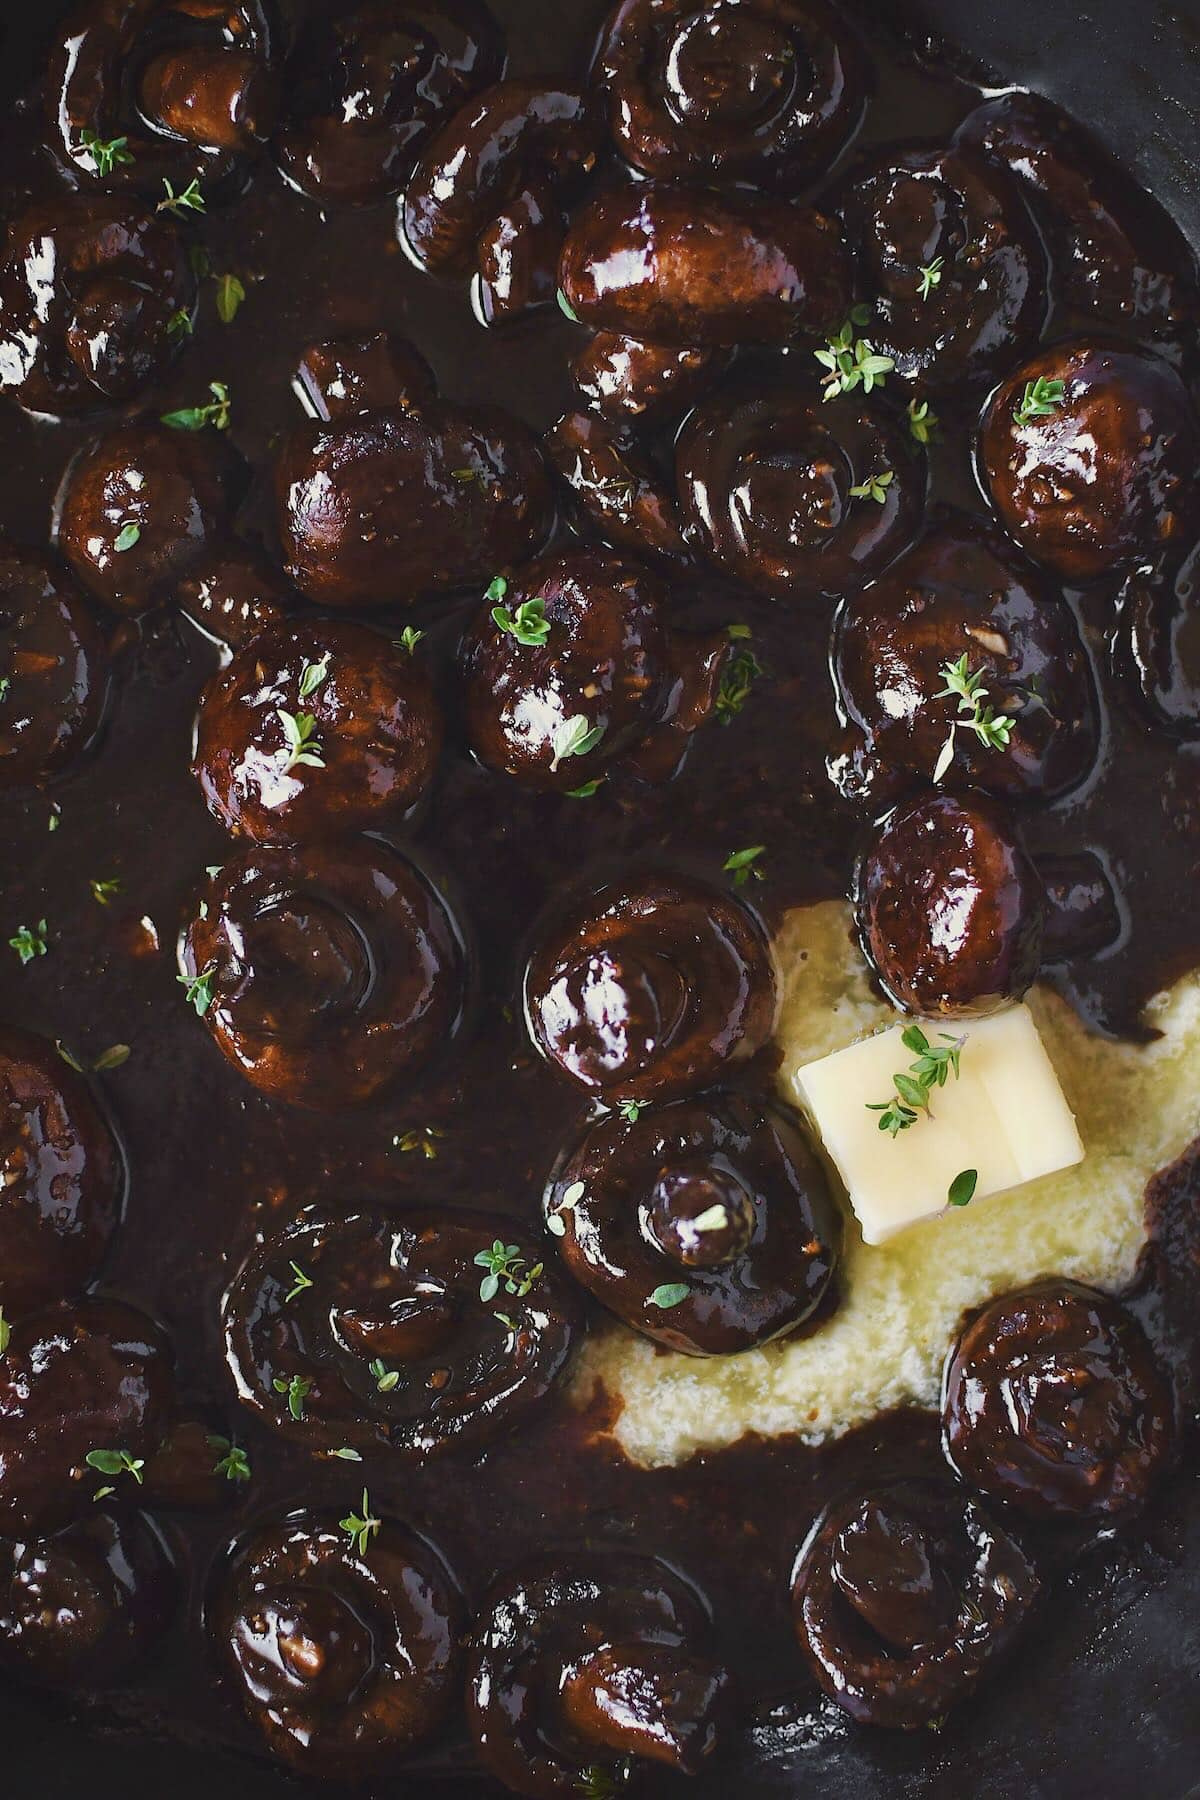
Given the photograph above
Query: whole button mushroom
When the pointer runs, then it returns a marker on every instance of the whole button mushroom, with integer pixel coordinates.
(594, 1667)
(138, 509)
(950, 908)
(326, 974)
(903, 1595)
(84, 1608)
(1054, 1401)
(367, 85)
(142, 92)
(1089, 453)
(486, 195)
(616, 488)
(575, 668)
(620, 377)
(86, 1393)
(794, 494)
(762, 91)
(411, 1331)
(954, 259)
(343, 376)
(54, 668)
(1117, 257)
(1160, 612)
(707, 1224)
(643, 991)
(61, 1176)
(231, 592)
(686, 267)
(382, 508)
(961, 664)
(314, 729)
(341, 1640)
(91, 299)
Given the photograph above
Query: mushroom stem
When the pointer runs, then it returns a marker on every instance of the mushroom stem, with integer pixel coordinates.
(218, 99)
(649, 1700)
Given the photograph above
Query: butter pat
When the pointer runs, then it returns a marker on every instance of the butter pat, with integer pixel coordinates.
(1006, 1116)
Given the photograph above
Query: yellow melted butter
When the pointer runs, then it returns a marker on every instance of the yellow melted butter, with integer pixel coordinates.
(1138, 1108)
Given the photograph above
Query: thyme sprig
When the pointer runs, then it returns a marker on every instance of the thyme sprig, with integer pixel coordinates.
(914, 1087)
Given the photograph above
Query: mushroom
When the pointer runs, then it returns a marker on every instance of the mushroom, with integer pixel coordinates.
(367, 85)
(706, 1224)
(86, 1392)
(903, 1595)
(575, 669)
(591, 1667)
(616, 488)
(326, 974)
(62, 1178)
(724, 91)
(690, 268)
(1054, 1401)
(412, 1331)
(1089, 454)
(644, 991)
(54, 668)
(794, 495)
(342, 1644)
(362, 703)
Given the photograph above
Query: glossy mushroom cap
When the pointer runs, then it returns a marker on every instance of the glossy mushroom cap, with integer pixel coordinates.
(621, 377)
(84, 1608)
(88, 293)
(590, 1661)
(707, 1224)
(138, 509)
(794, 494)
(1053, 1400)
(759, 91)
(383, 508)
(902, 1597)
(1089, 453)
(93, 1375)
(950, 909)
(687, 267)
(232, 593)
(575, 668)
(962, 593)
(954, 260)
(617, 490)
(187, 90)
(328, 973)
(54, 666)
(343, 1648)
(486, 196)
(1117, 257)
(340, 377)
(373, 733)
(366, 86)
(645, 991)
(417, 1330)
(61, 1176)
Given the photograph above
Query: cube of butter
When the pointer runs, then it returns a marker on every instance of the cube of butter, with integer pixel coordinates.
(1005, 1116)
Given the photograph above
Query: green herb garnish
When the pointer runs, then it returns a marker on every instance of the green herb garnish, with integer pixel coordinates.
(528, 624)
(573, 737)
(962, 1188)
(672, 1293)
(564, 306)
(743, 671)
(922, 422)
(5, 1332)
(569, 1200)
(297, 1388)
(423, 1138)
(29, 941)
(930, 276)
(361, 1529)
(199, 989)
(127, 537)
(932, 1069)
(312, 675)
(631, 1110)
(504, 1263)
(115, 1462)
(302, 745)
(232, 1461)
(1040, 399)
(410, 637)
(190, 199)
(107, 154)
(103, 891)
(112, 1058)
(993, 729)
(195, 418)
(230, 294)
(303, 1281)
(180, 323)
(851, 361)
(385, 1379)
(874, 488)
(742, 864)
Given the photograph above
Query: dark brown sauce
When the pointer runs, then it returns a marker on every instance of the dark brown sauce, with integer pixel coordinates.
(212, 1163)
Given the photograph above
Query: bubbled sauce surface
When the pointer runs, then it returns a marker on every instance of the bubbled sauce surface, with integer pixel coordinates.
(215, 1162)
